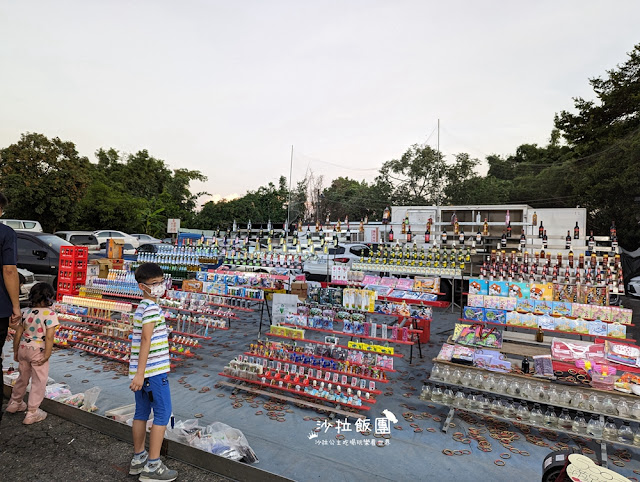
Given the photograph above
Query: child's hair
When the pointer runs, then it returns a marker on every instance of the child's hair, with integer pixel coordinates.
(147, 271)
(42, 293)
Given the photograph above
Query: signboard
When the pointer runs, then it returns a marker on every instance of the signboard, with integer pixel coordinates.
(374, 235)
(173, 226)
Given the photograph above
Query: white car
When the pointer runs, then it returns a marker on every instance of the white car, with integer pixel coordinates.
(28, 280)
(104, 235)
(343, 255)
(146, 239)
(633, 288)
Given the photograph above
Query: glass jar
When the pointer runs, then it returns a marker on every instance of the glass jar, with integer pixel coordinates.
(594, 427)
(579, 424)
(565, 398)
(608, 406)
(459, 400)
(550, 418)
(623, 409)
(467, 378)
(522, 412)
(425, 394)
(447, 396)
(485, 403)
(536, 416)
(635, 410)
(513, 388)
(636, 437)
(610, 431)
(553, 396)
(476, 401)
(564, 420)
(509, 408)
(436, 394)
(594, 403)
(625, 434)
(526, 390)
(496, 407)
(502, 385)
(539, 392)
(436, 372)
(456, 376)
(490, 383)
(577, 399)
(478, 380)
(446, 374)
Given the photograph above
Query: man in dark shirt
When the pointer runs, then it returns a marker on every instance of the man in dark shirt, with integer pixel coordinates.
(9, 283)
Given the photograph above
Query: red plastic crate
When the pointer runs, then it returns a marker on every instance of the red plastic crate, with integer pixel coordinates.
(72, 275)
(73, 263)
(74, 252)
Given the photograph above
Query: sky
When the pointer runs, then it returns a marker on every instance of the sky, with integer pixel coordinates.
(228, 87)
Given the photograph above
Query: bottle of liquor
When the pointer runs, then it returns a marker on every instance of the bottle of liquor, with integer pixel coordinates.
(409, 235)
(461, 237)
(456, 228)
(592, 241)
(503, 240)
(612, 230)
(479, 236)
(545, 240)
(509, 230)
(576, 231)
(391, 235)
(614, 243)
(541, 230)
(534, 221)
(523, 240)
(567, 243)
(427, 234)
(485, 228)
(443, 236)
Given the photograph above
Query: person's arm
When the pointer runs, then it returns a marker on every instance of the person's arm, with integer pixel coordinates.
(145, 347)
(16, 340)
(48, 346)
(12, 282)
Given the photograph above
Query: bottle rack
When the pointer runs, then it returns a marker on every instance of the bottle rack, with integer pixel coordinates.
(72, 270)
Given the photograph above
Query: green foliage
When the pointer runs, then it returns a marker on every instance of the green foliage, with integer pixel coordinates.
(43, 178)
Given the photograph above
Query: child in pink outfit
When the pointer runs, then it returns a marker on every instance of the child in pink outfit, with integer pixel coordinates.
(32, 347)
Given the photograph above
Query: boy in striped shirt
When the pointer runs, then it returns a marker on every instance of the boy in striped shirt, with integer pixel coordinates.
(148, 368)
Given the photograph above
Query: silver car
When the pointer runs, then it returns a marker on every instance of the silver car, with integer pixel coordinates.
(343, 255)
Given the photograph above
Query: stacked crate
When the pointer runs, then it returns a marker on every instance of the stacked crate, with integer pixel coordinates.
(72, 273)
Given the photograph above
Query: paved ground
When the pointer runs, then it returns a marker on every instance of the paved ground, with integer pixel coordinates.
(59, 450)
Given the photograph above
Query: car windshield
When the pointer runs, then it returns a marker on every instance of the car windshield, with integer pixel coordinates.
(54, 241)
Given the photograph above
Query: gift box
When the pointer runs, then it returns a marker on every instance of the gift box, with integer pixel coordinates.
(519, 290)
(602, 313)
(543, 307)
(498, 288)
(616, 330)
(492, 302)
(513, 318)
(621, 315)
(475, 300)
(525, 305)
(478, 286)
(495, 316)
(546, 322)
(473, 313)
(508, 304)
(580, 310)
(542, 291)
(598, 328)
(561, 308)
(565, 324)
(582, 326)
(529, 320)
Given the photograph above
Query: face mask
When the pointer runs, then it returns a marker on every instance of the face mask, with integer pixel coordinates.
(156, 290)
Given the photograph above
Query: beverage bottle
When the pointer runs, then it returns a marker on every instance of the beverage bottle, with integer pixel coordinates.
(567, 244)
(612, 230)
(541, 230)
(503, 239)
(545, 240)
(479, 236)
(443, 236)
(427, 234)
(485, 228)
(409, 235)
(509, 230)
(461, 237)
(391, 235)
(614, 243)
(456, 228)
(576, 231)
(523, 240)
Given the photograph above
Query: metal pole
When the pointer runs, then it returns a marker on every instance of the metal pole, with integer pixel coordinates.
(438, 189)
(290, 174)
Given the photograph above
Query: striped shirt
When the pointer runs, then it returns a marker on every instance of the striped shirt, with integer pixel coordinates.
(158, 360)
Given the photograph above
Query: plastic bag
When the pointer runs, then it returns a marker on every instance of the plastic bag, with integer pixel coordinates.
(57, 391)
(184, 432)
(221, 439)
(90, 398)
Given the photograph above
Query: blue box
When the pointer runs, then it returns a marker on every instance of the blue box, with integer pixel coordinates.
(498, 288)
(519, 290)
(543, 306)
(525, 305)
(473, 313)
(495, 316)
(562, 308)
(478, 286)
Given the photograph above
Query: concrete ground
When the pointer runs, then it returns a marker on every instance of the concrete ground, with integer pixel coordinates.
(59, 450)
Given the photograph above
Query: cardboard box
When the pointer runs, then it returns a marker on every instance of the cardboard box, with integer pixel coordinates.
(105, 266)
(192, 285)
(117, 264)
(114, 248)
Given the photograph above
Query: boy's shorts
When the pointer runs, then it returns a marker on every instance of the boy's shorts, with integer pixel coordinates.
(155, 394)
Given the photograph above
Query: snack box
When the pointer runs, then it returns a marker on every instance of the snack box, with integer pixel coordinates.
(513, 318)
(565, 324)
(475, 300)
(621, 315)
(582, 326)
(525, 305)
(492, 302)
(563, 292)
(582, 311)
(542, 291)
(495, 316)
(561, 308)
(529, 320)
(508, 304)
(498, 288)
(602, 313)
(598, 328)
(473, 313)
(478, 286)
(519, 290)
(616, 330)
(543, 307)
(546, 322)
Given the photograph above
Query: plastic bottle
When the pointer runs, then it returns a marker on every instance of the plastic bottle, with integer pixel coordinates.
(579, 424)
(594, 427)
(536, 415)
(625, 434)
(610, 431)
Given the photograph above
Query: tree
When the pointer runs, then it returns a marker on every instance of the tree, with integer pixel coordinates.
(347, 197)
(43, 178)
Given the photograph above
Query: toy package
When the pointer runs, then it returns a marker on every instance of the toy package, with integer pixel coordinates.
(525, 305)
(542, 291)
(508, 304)
(543, 307)
(621, 315)
(476, 300)
(580, 310)
(426, 284)
(616, 330)
(598, 328)
(404, 284)
(561, 308)
(445, 352)
(582, 326)
(472, 313)
(462, 354)
(602, 313)
(622, 353)
(513, 318)
(492, 302)
(478, 286)
(529, 320)
(498, 288)
(466, 334)
(519, 290)
(564, 292)
(495, 316)
(546, 322)
(565, 324)
(489, 337)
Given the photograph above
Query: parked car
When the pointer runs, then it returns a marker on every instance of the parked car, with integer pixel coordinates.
(145, 238)
(27, 281)
(344, 254)
(104, 235)
(128, 251)
(22, 224)
(80, 238)
(633, 288)
(40, 254)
